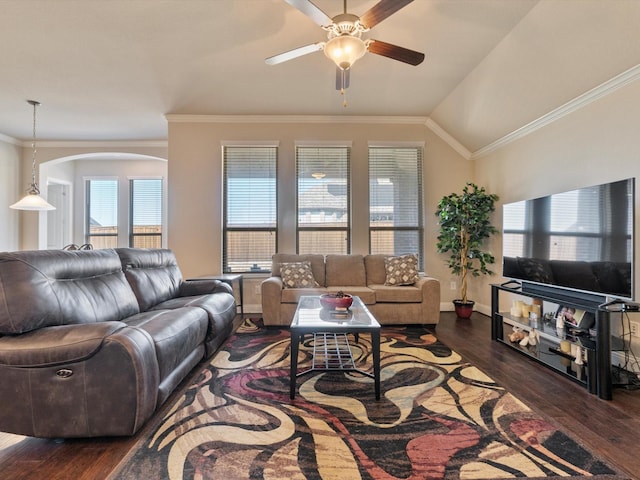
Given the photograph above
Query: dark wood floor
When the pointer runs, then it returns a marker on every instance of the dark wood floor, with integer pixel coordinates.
(610, 429)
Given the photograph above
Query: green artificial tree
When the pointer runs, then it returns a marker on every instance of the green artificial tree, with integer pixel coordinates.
(465, 224)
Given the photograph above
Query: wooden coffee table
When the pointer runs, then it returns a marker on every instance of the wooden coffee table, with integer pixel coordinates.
(331, 348)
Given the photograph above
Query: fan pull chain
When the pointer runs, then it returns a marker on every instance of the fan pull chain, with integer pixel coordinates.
(344, 97)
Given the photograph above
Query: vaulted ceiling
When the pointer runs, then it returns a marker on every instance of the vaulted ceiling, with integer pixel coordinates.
(112, 70)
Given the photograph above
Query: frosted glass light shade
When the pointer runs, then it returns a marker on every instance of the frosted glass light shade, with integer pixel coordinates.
(32, 201)
(345, 50)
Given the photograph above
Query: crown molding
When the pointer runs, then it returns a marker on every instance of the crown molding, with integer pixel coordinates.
(602, 90)
(399, 120)
(448, 139)
(13, 141)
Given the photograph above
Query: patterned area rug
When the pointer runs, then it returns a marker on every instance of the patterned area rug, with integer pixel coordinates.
(439, 418)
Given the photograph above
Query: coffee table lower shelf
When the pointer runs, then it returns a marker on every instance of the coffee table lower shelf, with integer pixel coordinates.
(332, 351)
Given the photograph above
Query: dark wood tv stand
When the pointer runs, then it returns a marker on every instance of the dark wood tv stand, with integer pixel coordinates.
(595, 371)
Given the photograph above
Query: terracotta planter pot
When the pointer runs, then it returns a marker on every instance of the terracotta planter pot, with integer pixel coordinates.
(463, 309)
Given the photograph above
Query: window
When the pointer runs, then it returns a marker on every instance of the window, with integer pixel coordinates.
(101, 222)
(395, 201)
(250, 208)
(323, 199)
(145, 228)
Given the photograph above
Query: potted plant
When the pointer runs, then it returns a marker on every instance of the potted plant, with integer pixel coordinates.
(465, 224)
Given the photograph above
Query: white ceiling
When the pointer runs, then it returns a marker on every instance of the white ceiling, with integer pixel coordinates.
(112, 69)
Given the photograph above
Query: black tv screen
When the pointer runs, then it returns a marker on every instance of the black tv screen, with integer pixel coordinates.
(580, 240)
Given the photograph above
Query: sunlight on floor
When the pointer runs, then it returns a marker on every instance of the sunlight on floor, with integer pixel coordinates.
(8, 439)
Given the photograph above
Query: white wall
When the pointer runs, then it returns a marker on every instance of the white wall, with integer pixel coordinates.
(51, 159)
(195, 181)
(11, 190)
(596, 144)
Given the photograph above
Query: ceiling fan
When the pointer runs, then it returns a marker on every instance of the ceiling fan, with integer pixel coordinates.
(345, 44)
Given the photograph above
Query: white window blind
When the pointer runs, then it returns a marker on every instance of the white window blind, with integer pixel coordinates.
(323, 199)
(145, 229)
(250, 208)
(101, 221)
(395, 201)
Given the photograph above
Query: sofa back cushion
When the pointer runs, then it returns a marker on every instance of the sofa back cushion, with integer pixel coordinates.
(374, 265)
(44, 288)
(316, 261)
(347, 270)
(153, 274)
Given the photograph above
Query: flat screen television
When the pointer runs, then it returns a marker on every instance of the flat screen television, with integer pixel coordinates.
(580, 240)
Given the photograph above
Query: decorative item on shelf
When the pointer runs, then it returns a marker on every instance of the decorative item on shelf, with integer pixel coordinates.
(32, 200)
(578, 355)
(531, 339)
(535, 309)
(516, 308)
(464, 225)
(517, 335)
(338, 300)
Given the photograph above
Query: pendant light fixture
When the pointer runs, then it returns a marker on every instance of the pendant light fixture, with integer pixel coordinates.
(32, 200)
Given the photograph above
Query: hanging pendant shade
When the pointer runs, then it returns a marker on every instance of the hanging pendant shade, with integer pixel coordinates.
(33, 200)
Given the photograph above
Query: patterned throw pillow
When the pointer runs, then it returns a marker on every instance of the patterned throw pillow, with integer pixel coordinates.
(297, 275)
(402, 270)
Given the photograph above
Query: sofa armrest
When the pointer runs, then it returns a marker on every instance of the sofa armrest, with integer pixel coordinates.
(193, 287)
(271, 290)
(430, 299)
(82, 380)
(55, 345)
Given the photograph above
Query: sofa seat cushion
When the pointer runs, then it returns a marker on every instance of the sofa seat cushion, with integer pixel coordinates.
(55, 345)
(292, 295)
(215, 306)
(345, 270)
(393, 294)
(175, 334)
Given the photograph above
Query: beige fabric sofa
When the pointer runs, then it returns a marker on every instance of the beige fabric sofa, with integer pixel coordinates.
(363, 276)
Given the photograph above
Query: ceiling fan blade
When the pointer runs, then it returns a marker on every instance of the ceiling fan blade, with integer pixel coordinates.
(311, 11)
(295, 53)
(342, 78)
(381, 10)
(395, 52)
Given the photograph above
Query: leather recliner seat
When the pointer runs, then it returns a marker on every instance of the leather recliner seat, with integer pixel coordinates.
(93, 342)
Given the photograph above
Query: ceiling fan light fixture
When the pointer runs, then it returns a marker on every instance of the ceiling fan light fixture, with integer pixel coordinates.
(345, 50)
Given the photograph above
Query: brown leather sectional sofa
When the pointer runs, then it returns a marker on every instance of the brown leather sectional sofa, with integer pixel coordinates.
(361, 275)
(93, 342)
